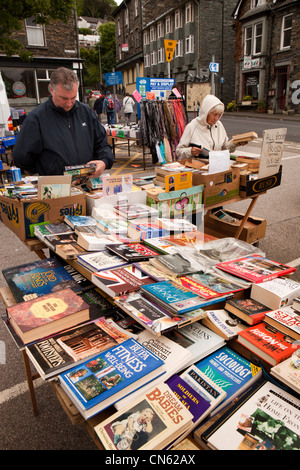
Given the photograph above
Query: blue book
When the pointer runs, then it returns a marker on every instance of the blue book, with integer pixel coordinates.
(31, 280)
(176, 298)
(109, 376)
(231, 372)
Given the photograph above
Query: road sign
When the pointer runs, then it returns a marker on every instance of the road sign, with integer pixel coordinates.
(170, 46)
(113, 78)
(214, 67)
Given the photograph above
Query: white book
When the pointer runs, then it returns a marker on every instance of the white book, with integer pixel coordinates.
(276, 293)
(100, 260)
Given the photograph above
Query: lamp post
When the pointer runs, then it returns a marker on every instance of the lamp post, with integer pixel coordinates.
(222, 49)
(100, 65)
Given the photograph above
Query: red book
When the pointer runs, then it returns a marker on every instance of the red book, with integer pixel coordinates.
(268, 343)
(249, 310)
(255, 268)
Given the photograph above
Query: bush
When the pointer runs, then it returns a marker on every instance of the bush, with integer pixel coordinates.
(261, 104)
(231, 106)
(247, 98)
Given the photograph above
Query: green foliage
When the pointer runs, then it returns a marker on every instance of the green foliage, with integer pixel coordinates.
(231, 106)
(97, 8)
(261, 104)
(85, 31)
(247, 98)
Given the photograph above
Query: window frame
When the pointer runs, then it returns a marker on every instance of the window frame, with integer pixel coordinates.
(283, 31)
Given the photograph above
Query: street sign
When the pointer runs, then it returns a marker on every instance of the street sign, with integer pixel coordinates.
(170, 46)
(214, 67)
(113, 78)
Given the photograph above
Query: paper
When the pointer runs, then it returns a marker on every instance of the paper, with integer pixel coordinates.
(271, 152)
(219, 160)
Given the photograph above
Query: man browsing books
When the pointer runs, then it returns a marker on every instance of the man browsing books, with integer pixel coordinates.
(62, 132)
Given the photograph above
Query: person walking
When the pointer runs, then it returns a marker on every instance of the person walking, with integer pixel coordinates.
(98, 106)
(108, 108)
(128, 104)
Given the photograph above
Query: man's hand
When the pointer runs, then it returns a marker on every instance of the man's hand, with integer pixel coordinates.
(100, 167)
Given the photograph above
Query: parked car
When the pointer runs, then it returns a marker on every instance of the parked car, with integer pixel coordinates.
(95, 93)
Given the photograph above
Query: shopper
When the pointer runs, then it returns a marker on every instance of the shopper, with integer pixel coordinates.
(61, 132)
(98, 106)
(128, 104)
(108, 108)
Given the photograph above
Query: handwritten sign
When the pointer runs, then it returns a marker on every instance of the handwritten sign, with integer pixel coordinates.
(271, 151)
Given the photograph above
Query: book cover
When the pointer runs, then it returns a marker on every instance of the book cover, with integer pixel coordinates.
(154, 272)
(60, 352)
(96, 241)
(144, 229)
(116, 282)
(277, 293)
(105, 378)
(52, 187)
(134, 211)
(175, 358)
(265, 418)
(76, 220)
(160, 244)
(288, 371)
(31, 280)
(46, 315)
(176, 264)
(268, 343)
(286, 320)
(192, 284)
(53, 240)
(249, 310)
(216, 284)
(69, 250)
(83, 284)
(132, 251)
(175, 225)
(230, 371)
(194, 238)
(224, 323)
(175, 297)
(113, 227)
(100, 260)
(151, 422)
(255, 268)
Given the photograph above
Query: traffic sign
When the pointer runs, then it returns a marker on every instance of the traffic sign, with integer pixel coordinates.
(214, 67)
(170, 46)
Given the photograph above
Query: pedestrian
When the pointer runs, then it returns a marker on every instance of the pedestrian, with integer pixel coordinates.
(128, 104)
(98, 106)
(108, 108)
(92, 101)
(62, 132)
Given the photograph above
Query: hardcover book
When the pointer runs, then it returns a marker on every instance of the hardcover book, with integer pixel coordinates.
(224, 323)
(31, 280)
(132, 251)
(249, 310)
(60, 352)
(230, 371)
(116, 282)
(174, 355)
(268, 343)
(109, 376)
(47, 315)
(151, 422)
(276, 293)
(100, 260)
(96, 241)
(288, 371)
(265, 418)
(255, 268)
(286, 320)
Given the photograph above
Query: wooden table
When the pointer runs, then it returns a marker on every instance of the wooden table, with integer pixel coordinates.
(118, 141)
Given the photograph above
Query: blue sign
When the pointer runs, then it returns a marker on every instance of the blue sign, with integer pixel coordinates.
(214, 67)
(157, 85)
(113, 78)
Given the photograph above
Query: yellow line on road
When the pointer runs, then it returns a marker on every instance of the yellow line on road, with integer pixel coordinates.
(126, 163)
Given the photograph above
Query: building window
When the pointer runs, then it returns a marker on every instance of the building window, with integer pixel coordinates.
(146, 38)
(257, 38)
(119, 27)
(189, 44)
(152, 34)
(126, 19)
(160, 29)
(251, 84)
(286, 32)
(256, 3)
(120, 52)
(136, 7)
(35, 33)
(253, 39)
(153, 58)
(178, 19)
(161, 55)
(189, 12)
(179, 48)
(168, 25)
(147, 60)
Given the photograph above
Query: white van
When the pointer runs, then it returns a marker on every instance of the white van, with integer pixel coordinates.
(6, 125)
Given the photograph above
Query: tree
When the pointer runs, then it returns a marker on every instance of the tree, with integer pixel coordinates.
(97, 8)
(14, 12)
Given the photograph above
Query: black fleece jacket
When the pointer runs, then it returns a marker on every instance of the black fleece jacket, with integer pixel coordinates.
(51, 138)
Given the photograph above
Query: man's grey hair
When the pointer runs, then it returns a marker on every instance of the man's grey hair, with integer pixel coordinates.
(65, 77)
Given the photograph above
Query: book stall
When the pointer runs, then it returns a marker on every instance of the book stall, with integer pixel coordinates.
(158, 323)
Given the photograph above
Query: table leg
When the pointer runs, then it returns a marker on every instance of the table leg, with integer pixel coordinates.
(245, 218)
(29, 379)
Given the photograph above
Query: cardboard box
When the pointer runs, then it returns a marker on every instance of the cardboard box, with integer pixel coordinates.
(176, 203)
(253, 187)
(218, 187)
(19, 215)
(253, 230)
(193, 163)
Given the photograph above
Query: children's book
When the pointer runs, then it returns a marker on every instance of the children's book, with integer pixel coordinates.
(31, 280)
(255, 268)
(105, 378)
(150, 422)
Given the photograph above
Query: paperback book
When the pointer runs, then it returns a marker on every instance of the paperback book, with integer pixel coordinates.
(54, 355)
(31, 280)
(288, 371)
(176, 264)
(174, 355)
(131, 252)
(119, 281)
(230, 371)
(175, 225)
(224, 323)
(268, 343)
(216, 284)
(134, 211)
(100, 260)
(154, 272)
(105, 378)
(249, 310)
(255, 268)
(265, 418)
(286, 320)
(114, 227)
(145, 229)
(79, 220)
(277, 293)
(69, 251)
(96, 241)
(47, 315)
(53, 240)
(151, 422)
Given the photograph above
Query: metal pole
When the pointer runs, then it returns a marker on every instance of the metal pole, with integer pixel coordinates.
(212, 75)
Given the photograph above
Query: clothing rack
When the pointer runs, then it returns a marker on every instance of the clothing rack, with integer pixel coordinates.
(162, 124)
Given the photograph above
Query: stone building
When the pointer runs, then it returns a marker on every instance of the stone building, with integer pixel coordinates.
(51, 46)
(267, 53)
